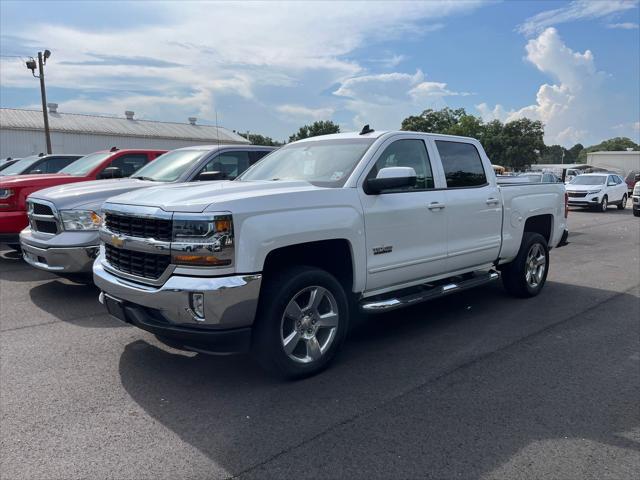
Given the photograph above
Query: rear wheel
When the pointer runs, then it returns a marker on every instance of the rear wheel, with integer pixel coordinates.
(623, 203)
(526, 275)
(302, 321)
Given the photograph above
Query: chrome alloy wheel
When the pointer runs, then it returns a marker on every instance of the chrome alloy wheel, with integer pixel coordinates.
(536, 265)
(309, 324)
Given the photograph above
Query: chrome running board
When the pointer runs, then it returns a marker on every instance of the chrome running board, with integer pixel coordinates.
(425, 292)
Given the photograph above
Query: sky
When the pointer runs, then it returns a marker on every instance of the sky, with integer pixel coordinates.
(271, 67)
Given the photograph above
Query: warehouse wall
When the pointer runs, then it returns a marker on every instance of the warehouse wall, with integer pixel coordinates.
(21, 143)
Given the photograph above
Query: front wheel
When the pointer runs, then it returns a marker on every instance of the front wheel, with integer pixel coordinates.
(604, 204)
(623, 204)
(302, 320)
(527, 273)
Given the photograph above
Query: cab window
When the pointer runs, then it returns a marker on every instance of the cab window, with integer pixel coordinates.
(462, 164)
(130, 163)
(229, 164)
(407, 153)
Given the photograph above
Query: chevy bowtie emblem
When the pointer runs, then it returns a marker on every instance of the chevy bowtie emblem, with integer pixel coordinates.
(117, 241)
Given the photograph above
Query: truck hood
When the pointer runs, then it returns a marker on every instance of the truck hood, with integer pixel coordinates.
(190, 197)
(38, 179)
(90, 194)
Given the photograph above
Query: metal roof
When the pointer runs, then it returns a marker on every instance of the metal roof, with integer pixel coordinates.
(18, 119)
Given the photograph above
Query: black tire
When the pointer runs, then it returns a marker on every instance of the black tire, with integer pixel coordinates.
(636, 213)
(15, 246)
(623, 203)
(271, 322)
(514, 274)
(604, 204)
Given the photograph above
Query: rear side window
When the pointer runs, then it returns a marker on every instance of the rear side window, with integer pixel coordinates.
(229, 164)
(407, 153)
(128, 164)
(51, 165)
(462, 164)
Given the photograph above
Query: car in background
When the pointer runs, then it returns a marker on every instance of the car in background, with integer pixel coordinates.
(635, 197)
(8, 163)
(14, 189)
(597, 190)
(541, 177)
(65, 239)
(631, 179)
(39, 164)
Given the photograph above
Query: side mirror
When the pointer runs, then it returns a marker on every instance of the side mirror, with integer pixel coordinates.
(391, 178)
(208, 176)
(611, 184)
(110, 172)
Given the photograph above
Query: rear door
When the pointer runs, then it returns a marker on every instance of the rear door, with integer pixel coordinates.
(473, 207)
(405, 229)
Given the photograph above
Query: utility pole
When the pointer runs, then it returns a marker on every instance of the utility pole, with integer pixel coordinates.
(31, 65)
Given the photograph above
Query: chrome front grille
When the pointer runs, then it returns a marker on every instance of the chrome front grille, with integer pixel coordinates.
(140, 264)
(43, 217)
(141, 227)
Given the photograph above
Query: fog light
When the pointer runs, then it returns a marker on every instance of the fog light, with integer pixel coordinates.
(197, 304)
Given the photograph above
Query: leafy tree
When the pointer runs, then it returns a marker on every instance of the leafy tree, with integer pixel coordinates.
(573, 153)
(434, 121)
(613, 144)
(315, 129)
(257, 139)
(523, 142)
(554, 154)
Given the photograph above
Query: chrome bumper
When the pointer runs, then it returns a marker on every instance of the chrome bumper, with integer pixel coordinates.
(60, 260)
(229, 302)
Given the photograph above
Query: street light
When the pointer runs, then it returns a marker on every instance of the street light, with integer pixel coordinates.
(31, 65)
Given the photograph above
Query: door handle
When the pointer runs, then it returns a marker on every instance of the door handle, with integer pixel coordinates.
(492, 201)
(436, 206)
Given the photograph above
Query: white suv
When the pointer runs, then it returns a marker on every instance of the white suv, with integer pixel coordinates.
(597, 190)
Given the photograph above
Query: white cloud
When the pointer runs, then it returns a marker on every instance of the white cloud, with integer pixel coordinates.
(574, 109)
(300, 112)
(576, 10)
(383, 100)
(623, 26)
(203, 53)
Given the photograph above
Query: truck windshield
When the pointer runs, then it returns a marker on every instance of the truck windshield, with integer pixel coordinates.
(170, 166)
(20, 166)
(84, 165)
(588, 180)
(325, 163)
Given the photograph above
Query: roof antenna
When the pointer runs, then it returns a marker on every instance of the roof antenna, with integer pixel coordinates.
(366, 130)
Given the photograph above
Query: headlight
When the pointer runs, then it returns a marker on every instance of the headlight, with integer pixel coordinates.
(594, 191)
(202, 241)
(5, 193)
(80, 219)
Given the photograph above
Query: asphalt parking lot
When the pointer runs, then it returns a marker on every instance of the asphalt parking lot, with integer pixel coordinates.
(478, 385)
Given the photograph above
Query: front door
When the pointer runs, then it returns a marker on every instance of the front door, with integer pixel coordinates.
(405, 229)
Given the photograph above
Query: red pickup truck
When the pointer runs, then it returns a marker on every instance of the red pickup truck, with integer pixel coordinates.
(15, 189)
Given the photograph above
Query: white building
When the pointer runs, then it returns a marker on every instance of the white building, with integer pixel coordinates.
(22, 133)
(622, 162)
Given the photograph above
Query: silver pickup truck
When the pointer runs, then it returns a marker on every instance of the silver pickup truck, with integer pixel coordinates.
(63, 234)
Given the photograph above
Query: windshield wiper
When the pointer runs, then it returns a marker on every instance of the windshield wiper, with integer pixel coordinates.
(139, 177)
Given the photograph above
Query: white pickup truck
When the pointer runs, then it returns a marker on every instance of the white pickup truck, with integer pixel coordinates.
(281, 260)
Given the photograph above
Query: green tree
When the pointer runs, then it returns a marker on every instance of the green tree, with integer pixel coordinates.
(434, 121)
(321, 127)
(554, 154)
(523, 142)
(573, 153)
(257, 139)
(613, 144)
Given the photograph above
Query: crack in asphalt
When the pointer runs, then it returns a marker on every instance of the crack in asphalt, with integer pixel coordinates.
(435, 379)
